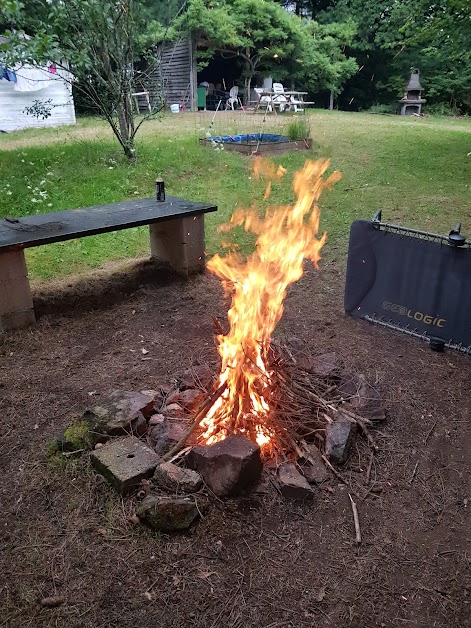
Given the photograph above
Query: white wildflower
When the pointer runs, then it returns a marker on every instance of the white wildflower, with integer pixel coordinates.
(9, 192)
(43, 194)
(110, 168)
(49, 174)
(34, 200)
(42, 182)
(49, 204)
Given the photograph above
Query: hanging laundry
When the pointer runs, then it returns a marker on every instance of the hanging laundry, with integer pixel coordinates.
(52, 69)
(30, 78)
(7, 74)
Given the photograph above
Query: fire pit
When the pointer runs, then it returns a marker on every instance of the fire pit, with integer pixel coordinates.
(269, 401)
(259, 143)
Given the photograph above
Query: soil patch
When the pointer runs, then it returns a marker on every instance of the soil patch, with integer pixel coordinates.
(65, 535)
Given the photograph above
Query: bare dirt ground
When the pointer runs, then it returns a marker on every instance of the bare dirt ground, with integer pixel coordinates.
(252, 562)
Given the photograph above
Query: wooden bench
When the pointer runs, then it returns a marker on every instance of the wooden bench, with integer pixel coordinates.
(176, 238)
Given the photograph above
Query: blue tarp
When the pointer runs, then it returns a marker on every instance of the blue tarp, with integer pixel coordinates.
(251, 137)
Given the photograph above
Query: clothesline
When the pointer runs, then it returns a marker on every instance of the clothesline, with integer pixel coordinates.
(30, 78)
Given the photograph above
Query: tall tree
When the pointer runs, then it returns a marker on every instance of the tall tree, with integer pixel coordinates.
(394, 36)
(98, 41)
(267, 38)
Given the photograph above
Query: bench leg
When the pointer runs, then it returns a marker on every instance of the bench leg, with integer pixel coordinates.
(180, 243)
(16, 302)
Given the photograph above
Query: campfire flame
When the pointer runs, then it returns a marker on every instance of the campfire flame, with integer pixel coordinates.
(286, 235)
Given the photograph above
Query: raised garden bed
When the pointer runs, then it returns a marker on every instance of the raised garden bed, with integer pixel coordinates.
(259, 143)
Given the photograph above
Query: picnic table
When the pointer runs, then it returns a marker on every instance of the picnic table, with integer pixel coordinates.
(271, 100)
(176, 237)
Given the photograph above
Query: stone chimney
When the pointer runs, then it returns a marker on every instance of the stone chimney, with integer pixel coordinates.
(411, 102)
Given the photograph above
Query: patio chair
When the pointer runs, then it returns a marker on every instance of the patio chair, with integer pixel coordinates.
(279, 99)
(233, 98)
(263, 101)
(295, 104)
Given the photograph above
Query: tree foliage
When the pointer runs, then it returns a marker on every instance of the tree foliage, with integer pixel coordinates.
(269, 39)
(99, 41)
(393, 37)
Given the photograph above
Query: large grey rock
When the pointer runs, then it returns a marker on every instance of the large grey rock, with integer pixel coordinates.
(325, 365)
(363, 398)
(122, 412)
(164, 435)
(313, 468)
(228, 467)
(292, 483)
(125, 462)
(168, 514)
(173, 478)
(338, 439)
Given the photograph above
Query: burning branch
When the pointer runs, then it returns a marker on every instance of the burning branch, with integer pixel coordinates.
(286, 236)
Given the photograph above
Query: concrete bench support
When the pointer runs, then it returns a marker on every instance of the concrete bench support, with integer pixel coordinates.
(16, 302)
(179, 242)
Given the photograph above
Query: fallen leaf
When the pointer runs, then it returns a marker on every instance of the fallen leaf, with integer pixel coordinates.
(144, 351)
(148, 596)
(321, 594)
(102, 531)
(205, 574)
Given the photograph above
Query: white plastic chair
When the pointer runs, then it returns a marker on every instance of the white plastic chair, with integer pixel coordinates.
(279, 99)
(233, 98)
(297, 105)
(263, 101)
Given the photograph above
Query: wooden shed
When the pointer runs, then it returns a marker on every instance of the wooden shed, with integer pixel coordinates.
(175, 77)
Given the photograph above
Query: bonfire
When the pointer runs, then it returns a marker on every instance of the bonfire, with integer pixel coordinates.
(262, 392)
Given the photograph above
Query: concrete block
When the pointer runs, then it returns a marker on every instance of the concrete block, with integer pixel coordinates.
(12, 265)
(16, 320)
(15, 296)
(16, 302)
(179, 242)
(125, 462)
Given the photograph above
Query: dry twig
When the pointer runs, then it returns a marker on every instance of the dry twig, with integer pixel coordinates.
(356, 520)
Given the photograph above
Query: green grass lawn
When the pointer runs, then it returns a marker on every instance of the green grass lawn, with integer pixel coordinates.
(416, 170)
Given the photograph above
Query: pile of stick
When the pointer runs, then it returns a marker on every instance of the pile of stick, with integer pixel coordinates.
(303, 405)
(306, 403)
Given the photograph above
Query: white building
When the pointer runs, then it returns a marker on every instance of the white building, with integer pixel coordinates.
(22, 86)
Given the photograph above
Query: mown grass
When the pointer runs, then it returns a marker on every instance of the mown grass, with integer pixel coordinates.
(417, 171)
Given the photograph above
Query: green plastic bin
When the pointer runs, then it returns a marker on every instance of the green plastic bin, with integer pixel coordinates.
(201, 92)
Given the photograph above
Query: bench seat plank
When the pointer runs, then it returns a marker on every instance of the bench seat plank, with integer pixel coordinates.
(74, 223)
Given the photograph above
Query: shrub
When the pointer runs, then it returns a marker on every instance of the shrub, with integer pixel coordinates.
(298, 129)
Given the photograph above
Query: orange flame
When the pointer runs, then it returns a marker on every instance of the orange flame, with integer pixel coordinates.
(286, 235)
